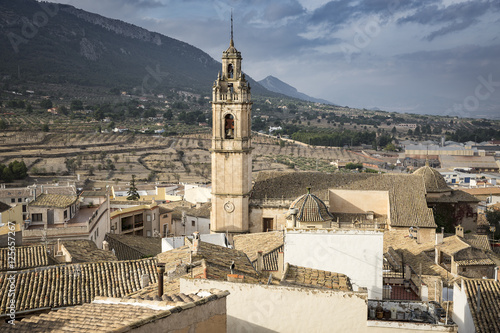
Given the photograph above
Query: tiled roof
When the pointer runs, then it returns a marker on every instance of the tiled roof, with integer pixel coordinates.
(132, 209)
(407, 207)
(87, 251)
(270, 260)
(254, 242)
(218, 260)
(68, 285)
(475, 262)
(15, 192)
(483, 190)
(452, 245)
(202, 211)
(455, 197)
(129, 247)
(413, 253)
(107, 314)
(478, 241)
(316, 278)
(26, 257)
(434, 181)
(53, 200)
(310, 209)
(487, 320)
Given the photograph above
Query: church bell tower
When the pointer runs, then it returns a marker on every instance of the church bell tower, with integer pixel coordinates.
(231, 146)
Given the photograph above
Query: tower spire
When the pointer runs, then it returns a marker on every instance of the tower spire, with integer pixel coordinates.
(232, 43)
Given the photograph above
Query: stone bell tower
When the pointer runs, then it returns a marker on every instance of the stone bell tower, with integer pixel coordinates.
(231, 146)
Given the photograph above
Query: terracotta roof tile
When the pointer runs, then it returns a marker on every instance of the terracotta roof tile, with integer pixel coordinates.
(106, 314)
(26, 257)
(53, 200)
(129, 247)
(254, 242)
(316, 278)
(67, 285)
(87, 251)
(488, 318)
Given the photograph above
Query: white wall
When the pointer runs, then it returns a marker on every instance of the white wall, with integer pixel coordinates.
(355, 253)
(461, 312)
(267, 309)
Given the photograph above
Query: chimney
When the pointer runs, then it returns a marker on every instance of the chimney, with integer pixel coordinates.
(281, 263)
(459, 231)
(105, 245)
(496, 274)
(144, 281)
(293, 212)
(440, 236)
(260, 261)
(196, 243)
(160, 268)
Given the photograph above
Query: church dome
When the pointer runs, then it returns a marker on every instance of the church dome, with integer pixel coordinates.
(310, 208)
(434, 181)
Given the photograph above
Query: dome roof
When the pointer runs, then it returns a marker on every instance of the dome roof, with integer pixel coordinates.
(310, 208)
(434, 181)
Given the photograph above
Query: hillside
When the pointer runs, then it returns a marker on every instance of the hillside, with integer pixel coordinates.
(276, 85)
(59, 44)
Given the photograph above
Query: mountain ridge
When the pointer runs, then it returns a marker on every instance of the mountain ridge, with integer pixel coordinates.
(276, 85)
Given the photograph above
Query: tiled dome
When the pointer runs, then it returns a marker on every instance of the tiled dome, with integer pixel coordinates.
(434, 181)
(310, 208)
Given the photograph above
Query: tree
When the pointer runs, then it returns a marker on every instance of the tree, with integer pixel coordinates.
(394, 130)
(46, 103)
(45, 128)
(29, 108)
(76, 105)
(132, 191)
(493, 217)
(3, 124)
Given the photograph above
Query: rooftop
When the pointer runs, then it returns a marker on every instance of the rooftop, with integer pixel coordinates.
(26, 257)
(434, 181)
(53, 200)
(315, 278)
(87, 251)
(107, 314)
(487, 319)
(130, 247)
(75, 284)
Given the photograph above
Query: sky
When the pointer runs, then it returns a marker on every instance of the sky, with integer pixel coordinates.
(413, 56)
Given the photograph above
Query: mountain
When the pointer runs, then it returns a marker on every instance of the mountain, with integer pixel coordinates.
(54, 43)
(274, 84)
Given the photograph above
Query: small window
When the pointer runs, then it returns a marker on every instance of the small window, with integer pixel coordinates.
(65, 214)
(24, 209)
(36, 217)
(13, 200)
(193, 223)
(148, 218)
(19, 199)
(230, 71)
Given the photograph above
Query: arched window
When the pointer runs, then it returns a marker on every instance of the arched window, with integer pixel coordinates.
(229, 127)
(230, 71)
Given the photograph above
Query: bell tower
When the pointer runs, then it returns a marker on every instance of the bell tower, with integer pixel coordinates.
(231, 146)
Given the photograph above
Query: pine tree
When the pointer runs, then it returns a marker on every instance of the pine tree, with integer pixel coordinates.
(132, 191)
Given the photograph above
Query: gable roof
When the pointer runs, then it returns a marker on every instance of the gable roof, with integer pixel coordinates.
(130, 247)
(217, 259)
(53, 200)
(488, 318)
(261, 241)
(68, 285)
(86, 250)
(26, 257)
(407, 208)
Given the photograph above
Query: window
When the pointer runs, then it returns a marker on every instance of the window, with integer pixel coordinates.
(267, 224)
(193, 223)
(230, 71)
(148, 218)
(229, 126)
(24, 209)
(13, 200)
(19, 199)
(65, 214)
(36, 217)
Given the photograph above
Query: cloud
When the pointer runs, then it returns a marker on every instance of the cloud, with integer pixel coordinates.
(457, 17)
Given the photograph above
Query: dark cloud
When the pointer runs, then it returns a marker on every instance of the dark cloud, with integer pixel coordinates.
(278, 11)
(457, 16)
